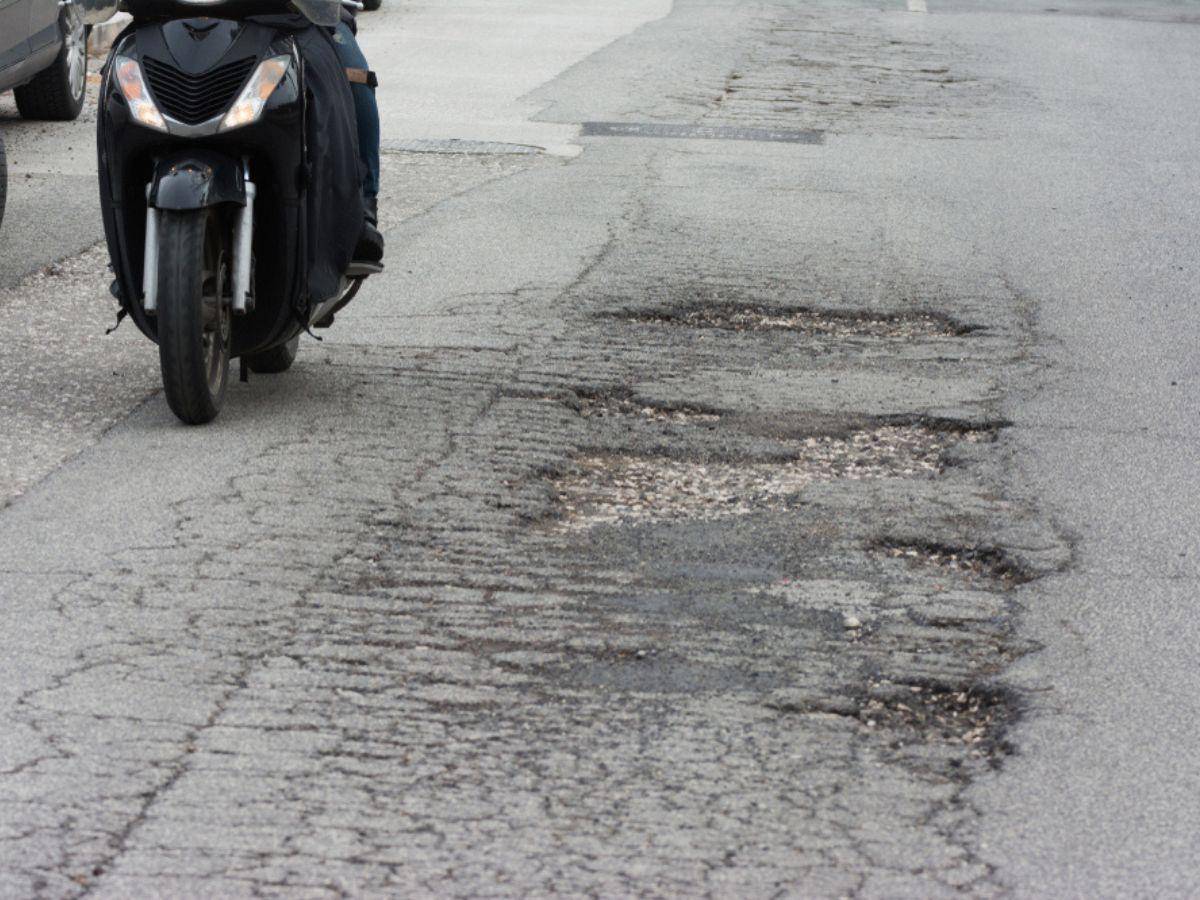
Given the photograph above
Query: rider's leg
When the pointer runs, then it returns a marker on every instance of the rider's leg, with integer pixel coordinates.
(367, 110)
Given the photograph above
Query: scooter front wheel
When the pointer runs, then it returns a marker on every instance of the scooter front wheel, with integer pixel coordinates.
(194, 320)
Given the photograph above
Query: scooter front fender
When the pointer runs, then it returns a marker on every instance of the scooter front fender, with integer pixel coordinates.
(197, 179)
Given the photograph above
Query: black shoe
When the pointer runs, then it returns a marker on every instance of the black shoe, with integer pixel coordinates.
(370, 245)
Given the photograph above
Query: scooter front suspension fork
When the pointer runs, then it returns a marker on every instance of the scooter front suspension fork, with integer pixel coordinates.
(243, 255)
(150, 263)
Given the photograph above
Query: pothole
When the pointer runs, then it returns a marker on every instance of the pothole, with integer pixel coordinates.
(593, 404)
(975, 717)
(608, 489)
(972, 564)
(807, 321)
(602, 406)
(911, 715)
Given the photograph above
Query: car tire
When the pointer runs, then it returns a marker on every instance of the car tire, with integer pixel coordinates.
(57, 93)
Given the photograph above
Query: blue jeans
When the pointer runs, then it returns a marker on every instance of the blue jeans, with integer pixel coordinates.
(365, 107)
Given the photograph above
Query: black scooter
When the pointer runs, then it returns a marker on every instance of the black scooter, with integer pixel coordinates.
(230, 184)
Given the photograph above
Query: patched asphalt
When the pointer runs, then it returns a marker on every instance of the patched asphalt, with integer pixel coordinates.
(656, 526)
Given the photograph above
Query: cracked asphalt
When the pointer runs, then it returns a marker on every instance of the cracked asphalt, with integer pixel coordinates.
(675, 517)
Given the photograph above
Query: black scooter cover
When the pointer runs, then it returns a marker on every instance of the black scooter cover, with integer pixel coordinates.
(335, 200)
(335, 209)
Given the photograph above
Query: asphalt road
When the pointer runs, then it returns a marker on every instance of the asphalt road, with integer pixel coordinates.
(677, 516)
(1099, 800)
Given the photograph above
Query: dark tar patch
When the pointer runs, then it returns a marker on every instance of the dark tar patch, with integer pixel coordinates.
(701, 132)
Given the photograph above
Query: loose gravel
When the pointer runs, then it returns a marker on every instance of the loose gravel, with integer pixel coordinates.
(607, 489)
(814, 322)
(974, 717)
(608, 407)
(971, 563)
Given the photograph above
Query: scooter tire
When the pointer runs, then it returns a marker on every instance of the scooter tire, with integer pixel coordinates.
(193, 316)
(274, 361)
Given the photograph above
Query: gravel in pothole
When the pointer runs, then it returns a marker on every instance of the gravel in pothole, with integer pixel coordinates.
(633, 489)
(974, 717)
(970, 563)
(607, 407)
(819, 323)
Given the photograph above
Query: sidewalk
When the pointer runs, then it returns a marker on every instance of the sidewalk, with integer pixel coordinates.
(103, 35)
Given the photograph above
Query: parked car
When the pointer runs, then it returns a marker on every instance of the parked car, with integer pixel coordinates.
(43, 59)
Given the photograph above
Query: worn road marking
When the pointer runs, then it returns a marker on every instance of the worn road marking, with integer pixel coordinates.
(917, 6)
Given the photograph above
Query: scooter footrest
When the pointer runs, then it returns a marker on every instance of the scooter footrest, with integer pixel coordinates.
(360, 269)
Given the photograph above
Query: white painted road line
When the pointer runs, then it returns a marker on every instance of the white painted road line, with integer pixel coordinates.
(917, 6)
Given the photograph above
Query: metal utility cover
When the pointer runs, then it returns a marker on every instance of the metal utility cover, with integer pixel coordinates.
(700, 132)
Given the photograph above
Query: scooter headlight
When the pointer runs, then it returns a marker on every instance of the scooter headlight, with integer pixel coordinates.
(249, 107)
(137, 95)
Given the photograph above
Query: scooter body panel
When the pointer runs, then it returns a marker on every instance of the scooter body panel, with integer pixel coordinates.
(197, 179)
